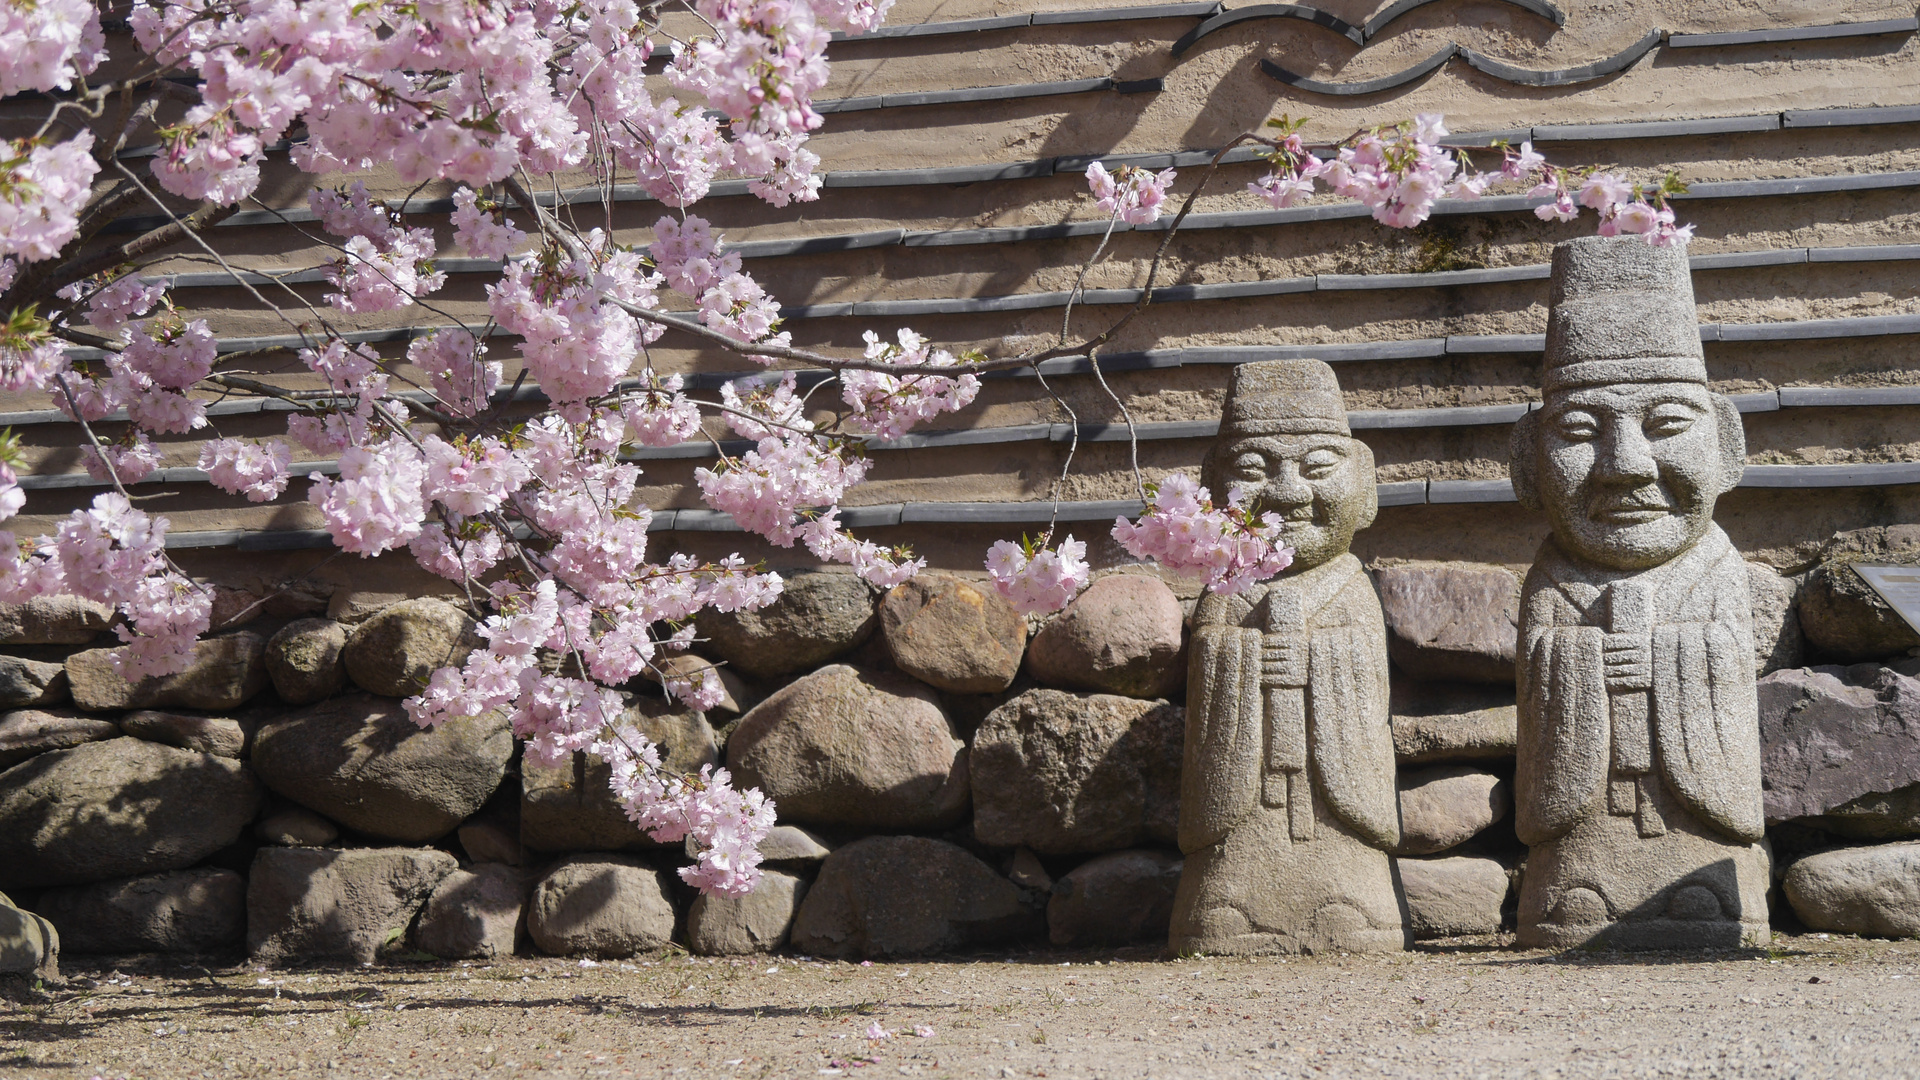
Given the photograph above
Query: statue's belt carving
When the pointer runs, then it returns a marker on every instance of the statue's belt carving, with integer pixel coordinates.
(1285, 647)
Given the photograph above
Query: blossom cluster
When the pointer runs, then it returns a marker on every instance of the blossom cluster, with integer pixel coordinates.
(1035, 577)
(1130, 194)
(1229, 548)
(43, 187)
(1400, 172)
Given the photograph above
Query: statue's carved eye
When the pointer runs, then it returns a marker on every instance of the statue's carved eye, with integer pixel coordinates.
(1319, 463)
(1249, 467)
(1577, 425)
(1669, 420)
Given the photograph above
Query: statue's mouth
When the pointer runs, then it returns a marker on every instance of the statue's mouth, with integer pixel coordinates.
(1638, 508)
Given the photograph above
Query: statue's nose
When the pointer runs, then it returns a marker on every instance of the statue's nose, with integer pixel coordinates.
(1286, 491)
(1626, 455)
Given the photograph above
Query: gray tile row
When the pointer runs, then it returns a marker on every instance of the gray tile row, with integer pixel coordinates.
(1399, 493)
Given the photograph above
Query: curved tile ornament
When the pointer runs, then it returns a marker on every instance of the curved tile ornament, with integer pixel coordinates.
(1359, 35)
(1572, 76)
(1599, 69)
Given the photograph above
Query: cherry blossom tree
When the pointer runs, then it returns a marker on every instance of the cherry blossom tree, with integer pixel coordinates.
(536, 519)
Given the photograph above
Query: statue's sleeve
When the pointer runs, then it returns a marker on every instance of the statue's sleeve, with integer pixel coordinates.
(1349, 727)
(1564, 735)
(1220, 778)
(1705, 713)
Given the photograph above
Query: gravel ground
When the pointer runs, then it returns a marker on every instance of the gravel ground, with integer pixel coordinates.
(1809, 1006)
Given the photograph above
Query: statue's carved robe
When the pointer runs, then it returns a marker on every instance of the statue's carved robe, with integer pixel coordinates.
(1287, 795)
(1662, 775)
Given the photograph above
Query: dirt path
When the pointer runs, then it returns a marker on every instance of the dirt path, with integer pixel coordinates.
(1808, 1007)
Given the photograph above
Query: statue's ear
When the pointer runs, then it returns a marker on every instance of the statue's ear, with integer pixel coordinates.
(1210, 475)
(1733, 443)
(1363, 466)
(1523, 452)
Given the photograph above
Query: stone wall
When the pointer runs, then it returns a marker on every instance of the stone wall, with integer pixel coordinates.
(948, 773)
(954, 218)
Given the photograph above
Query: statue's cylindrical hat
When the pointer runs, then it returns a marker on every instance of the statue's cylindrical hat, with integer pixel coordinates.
(1284, 397)
(1621, 310)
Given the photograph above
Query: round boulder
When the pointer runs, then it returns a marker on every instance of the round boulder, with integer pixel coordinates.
(1068, 773)
(952, 635)
(224, 673)
(305, 661)
(397, 651)
(602, 905)
(853, 748)
(756, 922)
(118, 808)
(1114, 899)
(1866, 890)
(901, 896)
(1448, 805)
(183, 911)
(1121, 636)
(817, 618)
(569, 807)
(363, 762)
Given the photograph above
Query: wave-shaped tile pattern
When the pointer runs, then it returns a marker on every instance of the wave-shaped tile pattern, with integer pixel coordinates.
(1501, 69)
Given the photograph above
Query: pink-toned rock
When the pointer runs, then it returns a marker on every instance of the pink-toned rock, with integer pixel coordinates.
(1451, 622)
(58, 619)
(952, 635)
(225, 673)
(1121, 636)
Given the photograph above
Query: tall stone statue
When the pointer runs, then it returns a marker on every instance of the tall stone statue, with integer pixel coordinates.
(1287, 799)
(1638, 777)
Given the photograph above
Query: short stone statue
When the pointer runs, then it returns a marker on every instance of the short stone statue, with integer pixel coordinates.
(1638, 778)
(1287, 800)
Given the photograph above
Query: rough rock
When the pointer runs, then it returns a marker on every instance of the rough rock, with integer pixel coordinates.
(31, 732)
(119, 808)
(602, 905)
(225, 673)
(902, 896)
(737, 696)
(395, 652)
(1454, 896)
(476, 914)
(363, 762)
(953, 635)
(308, 904)
(1894, 815)
(570, 808)
(355, 606)
(1842, 617)
(853, 748)
(755, 923)
(787, 846)
(1451, 622)
(1064, 773)
(1114, 899)
(1777, 641)
(305, 660)
(295, 826)
(234, 607)
(184, 911)
(1123, 635)
(1435, 722)
(490, 842)
(31, 683)
(818, 617)
(1025, 870)
(207, 734)
(1863, 890)
(1830, 735)
(59, 619)
(1448, 805)
(29, 945)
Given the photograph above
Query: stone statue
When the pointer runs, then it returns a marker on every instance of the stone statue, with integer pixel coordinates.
(1287, 799)
(1638, 777)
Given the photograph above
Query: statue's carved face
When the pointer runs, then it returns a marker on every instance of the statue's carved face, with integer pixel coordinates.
(1320, 485)
(1629, 473)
